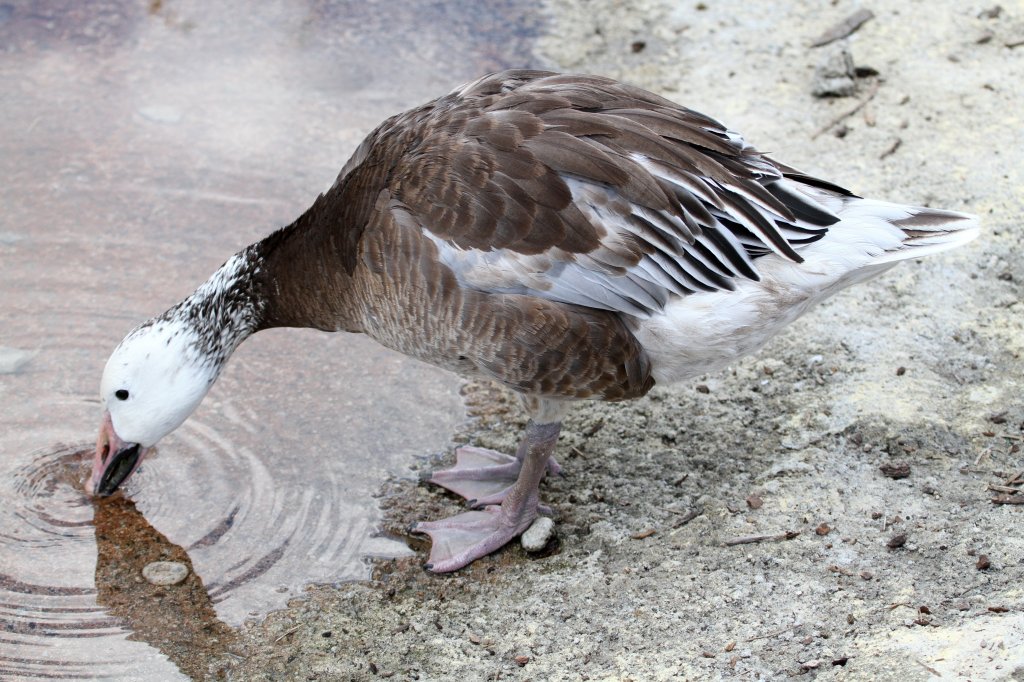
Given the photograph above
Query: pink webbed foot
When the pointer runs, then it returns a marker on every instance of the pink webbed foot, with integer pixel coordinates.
(463, 538)
(483, 476)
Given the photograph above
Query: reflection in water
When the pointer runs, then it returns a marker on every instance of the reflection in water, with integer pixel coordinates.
(179, 620)
(141, 143)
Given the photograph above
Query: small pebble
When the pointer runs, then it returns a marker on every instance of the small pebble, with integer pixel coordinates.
(834, 76)
(165, 572)
(161, 114)
(12, 360)
(895, 470)
(537, 535)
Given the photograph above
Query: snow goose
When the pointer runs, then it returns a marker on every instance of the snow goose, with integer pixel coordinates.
(568, 236)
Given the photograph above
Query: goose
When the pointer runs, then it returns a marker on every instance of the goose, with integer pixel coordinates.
(568, 236)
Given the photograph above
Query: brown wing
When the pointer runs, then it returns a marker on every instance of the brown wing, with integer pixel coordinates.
(583, 190)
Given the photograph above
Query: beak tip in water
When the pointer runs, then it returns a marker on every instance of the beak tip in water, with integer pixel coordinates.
(118, 467)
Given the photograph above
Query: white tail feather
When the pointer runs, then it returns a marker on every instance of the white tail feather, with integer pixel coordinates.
(931, 231)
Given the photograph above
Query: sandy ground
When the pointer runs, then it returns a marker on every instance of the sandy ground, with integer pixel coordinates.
(863, 576)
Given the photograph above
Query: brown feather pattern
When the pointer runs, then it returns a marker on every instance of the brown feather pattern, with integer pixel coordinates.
(504, 229)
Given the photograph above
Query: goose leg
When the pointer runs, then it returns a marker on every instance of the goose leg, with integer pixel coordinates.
(458, 540)
(484, 476)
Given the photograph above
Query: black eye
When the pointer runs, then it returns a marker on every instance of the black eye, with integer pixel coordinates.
(121, 394)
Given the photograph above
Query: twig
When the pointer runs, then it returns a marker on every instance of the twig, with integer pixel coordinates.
(687, 516)
(1008, 499)
(286, 633)
(891, 149)
(1003, 488)
(844, 28)
(849, 112)
(750, 539)
(933, 671)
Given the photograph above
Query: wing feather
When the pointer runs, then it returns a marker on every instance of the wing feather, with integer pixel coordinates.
(586, 191)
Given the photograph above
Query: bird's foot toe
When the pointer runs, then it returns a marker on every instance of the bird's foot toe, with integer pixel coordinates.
(482, 476)
(461, 539)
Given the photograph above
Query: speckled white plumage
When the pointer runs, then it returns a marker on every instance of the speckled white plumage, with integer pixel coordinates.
(164, 367)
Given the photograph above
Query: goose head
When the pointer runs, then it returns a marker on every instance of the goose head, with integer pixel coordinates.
(155, 378)
(161, 371)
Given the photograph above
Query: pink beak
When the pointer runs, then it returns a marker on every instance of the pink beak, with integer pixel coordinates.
(114, 461)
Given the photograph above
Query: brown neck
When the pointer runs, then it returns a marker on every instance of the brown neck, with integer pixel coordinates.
(305, 270)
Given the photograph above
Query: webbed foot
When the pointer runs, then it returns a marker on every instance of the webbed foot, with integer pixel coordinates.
(483, 476)
(465, 537)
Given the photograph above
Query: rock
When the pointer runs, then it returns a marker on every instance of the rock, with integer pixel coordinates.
(536, 536)
(13, 359)
(165, 572)
(835, 74)
(160, 114)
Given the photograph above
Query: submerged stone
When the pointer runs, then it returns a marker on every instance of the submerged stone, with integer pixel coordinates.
(165, 572)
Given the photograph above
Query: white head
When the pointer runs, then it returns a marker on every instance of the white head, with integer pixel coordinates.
(153, 381)
(162, 370)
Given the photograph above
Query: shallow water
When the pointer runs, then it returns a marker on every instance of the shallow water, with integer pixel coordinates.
(140, 145)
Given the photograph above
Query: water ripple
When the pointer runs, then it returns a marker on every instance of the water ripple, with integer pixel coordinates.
(51, 622)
